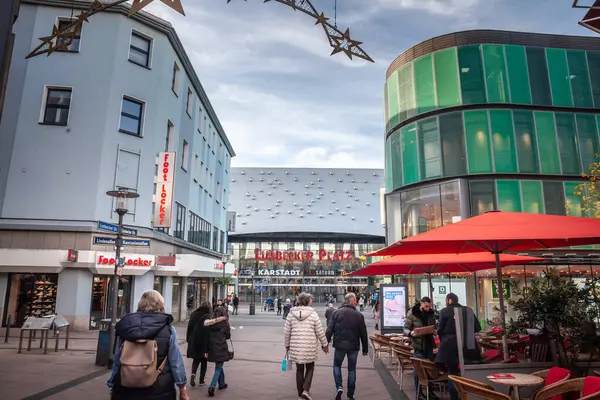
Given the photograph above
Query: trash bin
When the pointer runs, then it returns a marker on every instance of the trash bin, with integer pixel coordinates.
(252, 309)
(103, 348)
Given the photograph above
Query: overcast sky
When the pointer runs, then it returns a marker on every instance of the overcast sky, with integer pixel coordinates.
(284, 101)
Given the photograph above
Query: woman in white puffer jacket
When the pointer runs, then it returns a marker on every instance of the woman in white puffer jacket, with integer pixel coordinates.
(302, 334)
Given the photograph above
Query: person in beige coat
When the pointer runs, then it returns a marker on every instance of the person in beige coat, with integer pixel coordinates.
(303, 333)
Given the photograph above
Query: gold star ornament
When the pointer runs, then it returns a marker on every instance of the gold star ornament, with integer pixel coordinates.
(138, 5)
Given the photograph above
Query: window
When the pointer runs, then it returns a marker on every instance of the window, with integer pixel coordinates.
(594, 65)
(395, 150)
(533, 199)
(429, 149)
(195, 231)
(588, 139)
(215, 239)
(175, 80)
(179, 221)
(538, 76)
(170, 136)
(509, 195)
(547, 142)
(478, 142)
(131, 116)
(57, 106)
(580, 79)
(503, 142)
(190, 100)
(554, 198)
(567, 143)
(392, 93)
(453, 144)
(139, 49)
(410, 154)
(196, 167)
(446, 78)
(560, 83)
(483, 197)
(526, 142)
(471, 75)
(495, 73)
(222, 243)
(424, 87)
(518, 75)
(185, 156)
(406, 98)
(73, 47)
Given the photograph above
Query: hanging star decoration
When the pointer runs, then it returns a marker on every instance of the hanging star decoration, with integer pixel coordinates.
(341, 42)
(62, 38)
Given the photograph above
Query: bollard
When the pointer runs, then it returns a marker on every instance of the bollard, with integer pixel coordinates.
(7, 333)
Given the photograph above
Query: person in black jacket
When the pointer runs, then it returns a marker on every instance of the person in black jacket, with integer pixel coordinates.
(348, 329)
(236, 304)
(329, 312)
(218, 351)
(197, 340)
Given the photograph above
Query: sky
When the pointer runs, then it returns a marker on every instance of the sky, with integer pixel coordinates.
(284, 101)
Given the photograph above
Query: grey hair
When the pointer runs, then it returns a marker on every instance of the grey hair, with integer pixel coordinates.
(304, 299)
(349, 297)
(151, 301)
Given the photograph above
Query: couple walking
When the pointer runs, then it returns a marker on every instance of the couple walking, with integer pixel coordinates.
(304, 334)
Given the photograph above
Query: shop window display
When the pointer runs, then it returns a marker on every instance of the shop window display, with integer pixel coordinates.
(31, 295)
(101, 294)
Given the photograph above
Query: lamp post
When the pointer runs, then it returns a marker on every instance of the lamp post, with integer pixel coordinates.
(122, 197)
(252, 304)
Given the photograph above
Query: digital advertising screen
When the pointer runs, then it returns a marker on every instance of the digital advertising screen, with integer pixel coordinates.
(393, 305)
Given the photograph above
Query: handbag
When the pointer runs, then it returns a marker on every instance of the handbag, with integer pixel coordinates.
(286, 363)
(232, 351)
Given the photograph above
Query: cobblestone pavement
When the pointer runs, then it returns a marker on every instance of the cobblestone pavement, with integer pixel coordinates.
(254, 374)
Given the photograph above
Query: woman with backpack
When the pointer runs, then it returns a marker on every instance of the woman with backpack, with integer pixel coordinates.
(197, 340)
(147, 334)
(218, 351)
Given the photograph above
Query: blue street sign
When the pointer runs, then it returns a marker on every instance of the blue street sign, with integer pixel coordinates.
(115, 228)
(262, 289)
(103, 241)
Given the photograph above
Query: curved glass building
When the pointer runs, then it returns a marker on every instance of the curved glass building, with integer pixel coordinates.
(483, 120)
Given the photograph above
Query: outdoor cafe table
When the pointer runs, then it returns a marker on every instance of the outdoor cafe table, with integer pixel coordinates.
(518, 381)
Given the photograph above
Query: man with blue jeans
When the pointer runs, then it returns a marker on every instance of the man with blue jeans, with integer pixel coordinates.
(349, 331)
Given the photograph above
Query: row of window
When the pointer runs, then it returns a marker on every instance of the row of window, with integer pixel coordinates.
(491, 141)
(492, 73)
(199, 232)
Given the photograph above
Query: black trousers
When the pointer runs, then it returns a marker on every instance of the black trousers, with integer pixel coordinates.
(203, 363)
(304, 377)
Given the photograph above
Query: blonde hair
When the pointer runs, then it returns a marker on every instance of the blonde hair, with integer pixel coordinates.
(151, 301)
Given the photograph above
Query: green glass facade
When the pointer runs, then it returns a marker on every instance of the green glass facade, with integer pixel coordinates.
(514, 126)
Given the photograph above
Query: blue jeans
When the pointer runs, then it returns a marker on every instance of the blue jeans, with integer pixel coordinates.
(338, 359)
(424, 354)
(218, 376)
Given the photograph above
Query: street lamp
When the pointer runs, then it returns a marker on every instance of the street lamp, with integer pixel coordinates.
(252, 310)
(122, 197)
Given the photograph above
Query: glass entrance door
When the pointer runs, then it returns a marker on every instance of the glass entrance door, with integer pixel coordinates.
(101, 296)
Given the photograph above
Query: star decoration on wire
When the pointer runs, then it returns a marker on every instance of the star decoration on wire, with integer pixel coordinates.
(338, 40)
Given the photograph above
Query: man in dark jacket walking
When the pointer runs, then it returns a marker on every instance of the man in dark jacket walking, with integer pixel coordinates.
(420, 316)
(329, 313)
(348, 329)
(236, 304)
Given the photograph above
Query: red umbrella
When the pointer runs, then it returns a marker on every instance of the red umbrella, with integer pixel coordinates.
(440, 263)
(497, 232)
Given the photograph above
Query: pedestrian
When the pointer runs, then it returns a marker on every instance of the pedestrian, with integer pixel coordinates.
(349, 331)
(287, 308)
(420, 316)
(218, 350)
(448, 351)
(150, 323)
(236, 304)
(376, 314)
(279, 306)
(302, 335)
(197, 340)
(361, 303)
(329, 312)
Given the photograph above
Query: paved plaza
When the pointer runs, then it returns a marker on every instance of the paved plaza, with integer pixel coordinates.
(254, 374)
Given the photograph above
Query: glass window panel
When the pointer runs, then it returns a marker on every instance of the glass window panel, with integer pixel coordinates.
(389, 168)
(396, 156)
(533, 199)
(554, 198)
(505, 158)
(526, 143)
(132, 108)
(392, 93)
(559, 77)
(450, 201)
(588, 139)
(393, 220)
(509, 195)
(130, 125)
(406, 94)
(424, 88)
(410, 156)
(538, 76)
(594, 66)
(580, 79)
(495, 73)
(471, 75)
(421, 210)
(546, 138)
(518, 76)
(478, 142)
(573, 203)
(429, 149)
(453, 144)
(483, 197)
(446, 78)
(140, 42)
(138, 57)
(567, 143)
(386, 110)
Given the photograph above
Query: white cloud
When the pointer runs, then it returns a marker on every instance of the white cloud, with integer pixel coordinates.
(441, 7)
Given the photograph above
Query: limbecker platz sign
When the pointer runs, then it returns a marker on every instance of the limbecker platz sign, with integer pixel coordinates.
(291, 255)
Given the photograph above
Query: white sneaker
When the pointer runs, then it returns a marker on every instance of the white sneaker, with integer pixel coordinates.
(339, 394)
(306, 395)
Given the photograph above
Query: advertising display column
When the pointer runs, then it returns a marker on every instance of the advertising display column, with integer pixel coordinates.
(392, 307)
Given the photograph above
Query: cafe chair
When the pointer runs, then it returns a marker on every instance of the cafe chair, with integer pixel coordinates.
(458, 381)
(572, 385)
(467, 387)
(428, 375)
(550, 376)
(380, 346)
(405, 364)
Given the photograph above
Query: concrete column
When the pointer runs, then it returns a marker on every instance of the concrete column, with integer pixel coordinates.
(168, 294)
(141, 284)
(74, 297)
(3, 289)
(183, 300)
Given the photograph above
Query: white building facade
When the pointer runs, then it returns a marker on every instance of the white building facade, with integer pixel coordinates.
(96, 118)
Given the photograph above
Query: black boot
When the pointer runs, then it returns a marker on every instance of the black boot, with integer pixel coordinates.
(211, 392)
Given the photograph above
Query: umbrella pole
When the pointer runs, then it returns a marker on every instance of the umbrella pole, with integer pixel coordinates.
(500, 285)
(430, 286)
(476, 295)
(450, 283)
(525, 275)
